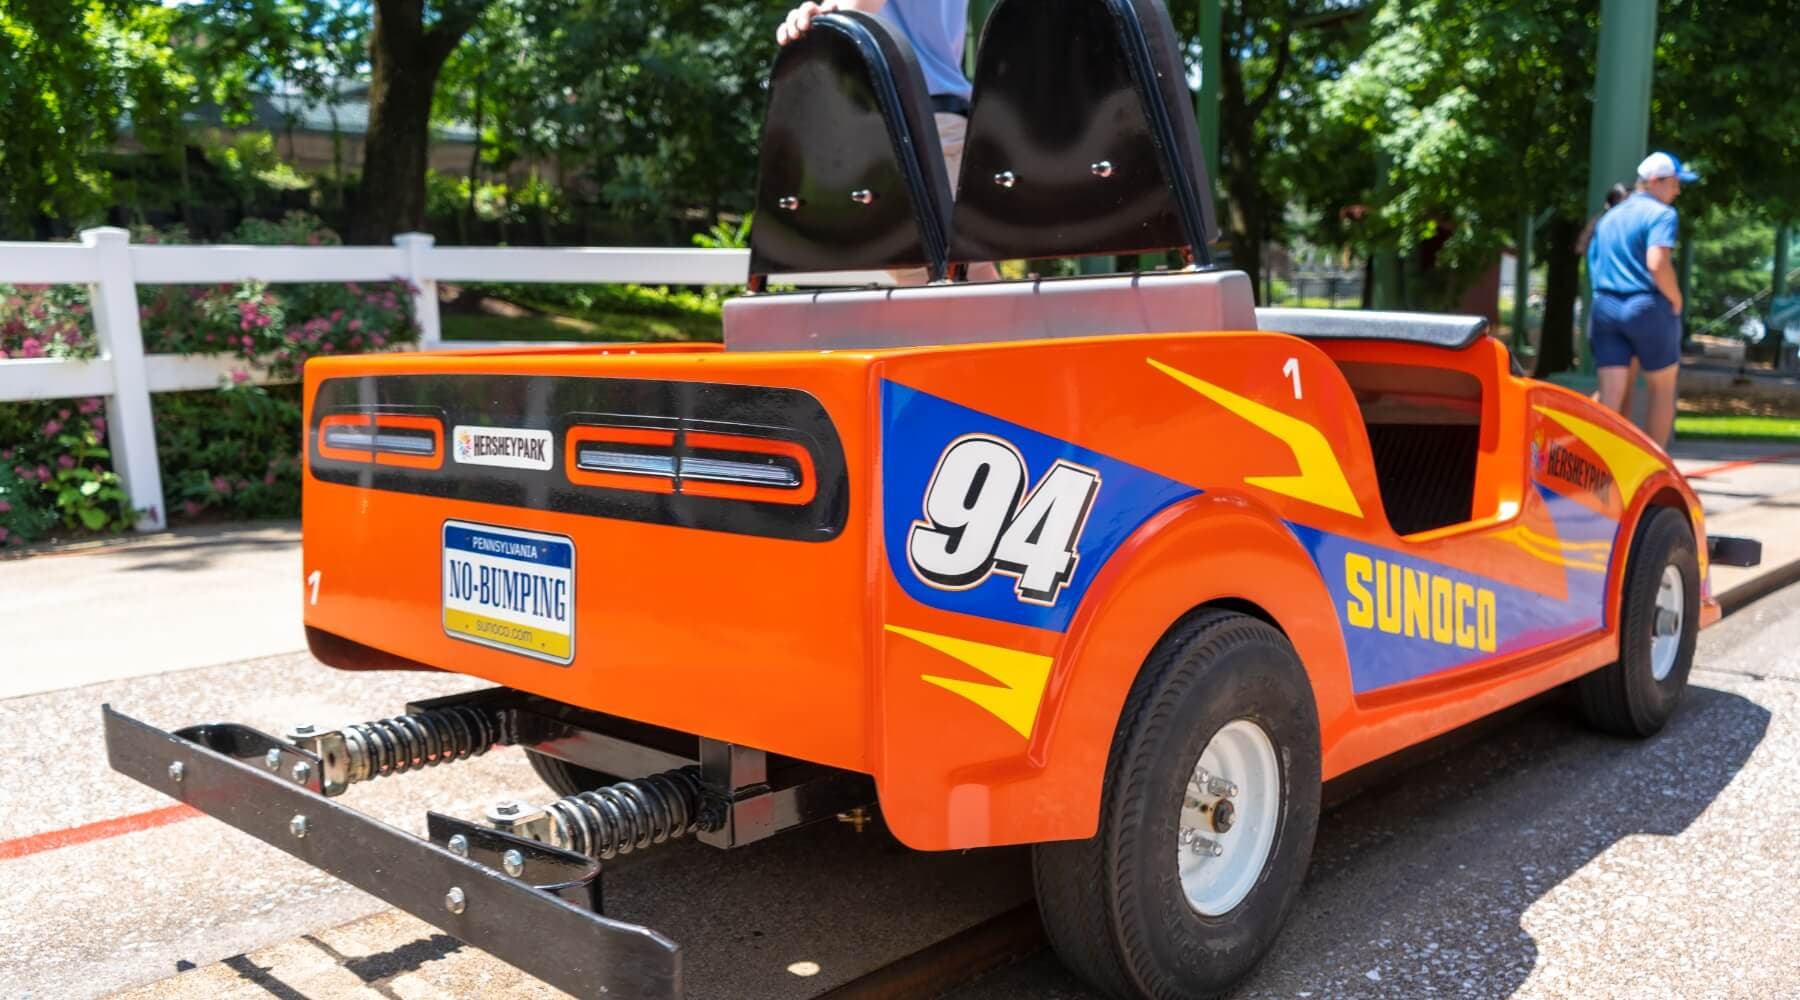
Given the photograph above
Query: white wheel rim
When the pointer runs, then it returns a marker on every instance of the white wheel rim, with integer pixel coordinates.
(1238, 768)
(1665, 625)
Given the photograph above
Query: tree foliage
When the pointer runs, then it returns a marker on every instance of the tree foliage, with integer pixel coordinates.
(73, 73)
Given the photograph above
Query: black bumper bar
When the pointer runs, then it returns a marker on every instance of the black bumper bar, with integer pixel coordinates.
(1730, 550)
(545, 922)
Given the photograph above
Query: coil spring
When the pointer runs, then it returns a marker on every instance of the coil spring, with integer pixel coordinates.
(630, 815)
(409, 742)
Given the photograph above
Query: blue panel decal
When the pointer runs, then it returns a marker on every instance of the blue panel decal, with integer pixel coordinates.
(1404, 618)
(989, 518)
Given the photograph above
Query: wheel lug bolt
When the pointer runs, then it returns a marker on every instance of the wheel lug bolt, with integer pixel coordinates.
(1206, 847)
(1221, 788)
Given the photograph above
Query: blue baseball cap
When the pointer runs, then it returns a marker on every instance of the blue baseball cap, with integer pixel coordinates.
(1661, 164)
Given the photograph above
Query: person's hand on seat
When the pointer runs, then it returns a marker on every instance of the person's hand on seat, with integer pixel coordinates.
(800, 18)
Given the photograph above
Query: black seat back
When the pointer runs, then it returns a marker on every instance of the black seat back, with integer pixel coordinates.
(851, 174)
(1082, 137)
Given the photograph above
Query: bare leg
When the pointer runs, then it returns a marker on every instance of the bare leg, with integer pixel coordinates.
(1661, 418)
(1613, 386)
(1631, 378)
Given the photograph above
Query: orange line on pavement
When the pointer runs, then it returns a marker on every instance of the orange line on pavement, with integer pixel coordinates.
(118, 826)
(1713, 470)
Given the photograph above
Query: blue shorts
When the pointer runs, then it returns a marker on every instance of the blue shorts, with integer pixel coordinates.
(1640, 324)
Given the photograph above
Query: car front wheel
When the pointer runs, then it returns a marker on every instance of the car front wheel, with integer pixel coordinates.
(1207, 819)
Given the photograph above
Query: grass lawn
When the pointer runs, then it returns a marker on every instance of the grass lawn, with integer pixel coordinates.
(1704, 425)
(602, 328)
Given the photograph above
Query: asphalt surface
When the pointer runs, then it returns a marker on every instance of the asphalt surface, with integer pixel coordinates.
(1535, 860)
(1543, 860)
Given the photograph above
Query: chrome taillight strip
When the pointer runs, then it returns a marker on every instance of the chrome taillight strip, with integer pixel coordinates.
(712, 470)
(722, 470)
(624, 462)
(356, 439)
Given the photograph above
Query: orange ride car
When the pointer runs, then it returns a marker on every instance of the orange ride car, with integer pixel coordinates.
(1119, 566)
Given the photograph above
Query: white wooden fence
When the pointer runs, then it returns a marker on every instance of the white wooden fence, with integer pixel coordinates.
(112, 267)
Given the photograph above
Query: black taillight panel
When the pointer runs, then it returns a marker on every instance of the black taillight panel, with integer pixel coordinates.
(745, 459)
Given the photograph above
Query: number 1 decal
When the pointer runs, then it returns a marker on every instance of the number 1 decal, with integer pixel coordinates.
(1292, 368)
(976, 524)
(312, 580)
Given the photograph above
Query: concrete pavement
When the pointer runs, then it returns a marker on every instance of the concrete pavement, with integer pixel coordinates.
(140, 606)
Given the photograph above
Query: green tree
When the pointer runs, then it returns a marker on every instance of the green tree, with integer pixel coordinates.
(73, 73)
(409, 44)
(1476, 114)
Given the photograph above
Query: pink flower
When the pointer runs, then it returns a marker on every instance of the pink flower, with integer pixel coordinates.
(89, 405)
(190, 508)
(337, 315)
(3, 534)
(6, 456)
(99, 425)
(43, 473)
(355, 325)
(66, 461)
(6, 507)
(52, 428)
(247, 342)
(30, 347)
(62, 414)
(22, 471)
(268, 480)
(221, 485)
(239, 377)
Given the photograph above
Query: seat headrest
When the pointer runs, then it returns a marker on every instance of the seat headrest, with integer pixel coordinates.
(1081, 139)
(851, 174)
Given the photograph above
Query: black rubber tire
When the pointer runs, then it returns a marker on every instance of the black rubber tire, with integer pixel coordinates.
(1624, 698)
(1112, 905)
(564, 778)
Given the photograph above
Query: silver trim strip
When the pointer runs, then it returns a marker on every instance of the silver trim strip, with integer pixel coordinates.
(351, 439)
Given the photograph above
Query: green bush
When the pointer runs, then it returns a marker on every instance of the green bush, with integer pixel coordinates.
(234, 451)
(59, 470)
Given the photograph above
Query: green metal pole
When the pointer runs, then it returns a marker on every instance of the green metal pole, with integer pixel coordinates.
(1386, 264)
(1522, 282)
(1621, 124)
(1206, 105)
(1684, 279)
(1773, 338)
(978, 15)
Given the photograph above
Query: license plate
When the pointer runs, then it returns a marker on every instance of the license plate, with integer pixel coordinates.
(510, 589)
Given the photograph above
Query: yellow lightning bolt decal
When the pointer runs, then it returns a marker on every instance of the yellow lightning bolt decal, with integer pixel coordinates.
(1629, 464)
(1321, 480)
(1022, 676)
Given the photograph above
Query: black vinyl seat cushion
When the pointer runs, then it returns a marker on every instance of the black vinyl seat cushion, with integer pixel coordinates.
(1426, 473)
(1081, 136)
(850, 174)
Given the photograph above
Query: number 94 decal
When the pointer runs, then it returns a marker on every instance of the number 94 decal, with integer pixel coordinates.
(976, 523)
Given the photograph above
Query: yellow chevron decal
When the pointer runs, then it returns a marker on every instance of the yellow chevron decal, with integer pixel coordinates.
(1321, 480)
(1629, 464)
(1559, 553)
(1021, 676)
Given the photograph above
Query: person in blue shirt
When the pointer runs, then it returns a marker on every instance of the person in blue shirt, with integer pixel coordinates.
(1637, 299)
(937, 31)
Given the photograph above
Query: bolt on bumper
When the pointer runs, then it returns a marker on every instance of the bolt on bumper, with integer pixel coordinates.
(544, 920)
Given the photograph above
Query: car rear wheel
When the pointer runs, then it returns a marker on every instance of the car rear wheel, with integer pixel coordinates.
(1206, 822)
(564, 778)
(1659, 621)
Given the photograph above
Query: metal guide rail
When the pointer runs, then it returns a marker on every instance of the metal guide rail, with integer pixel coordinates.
(525, 885)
